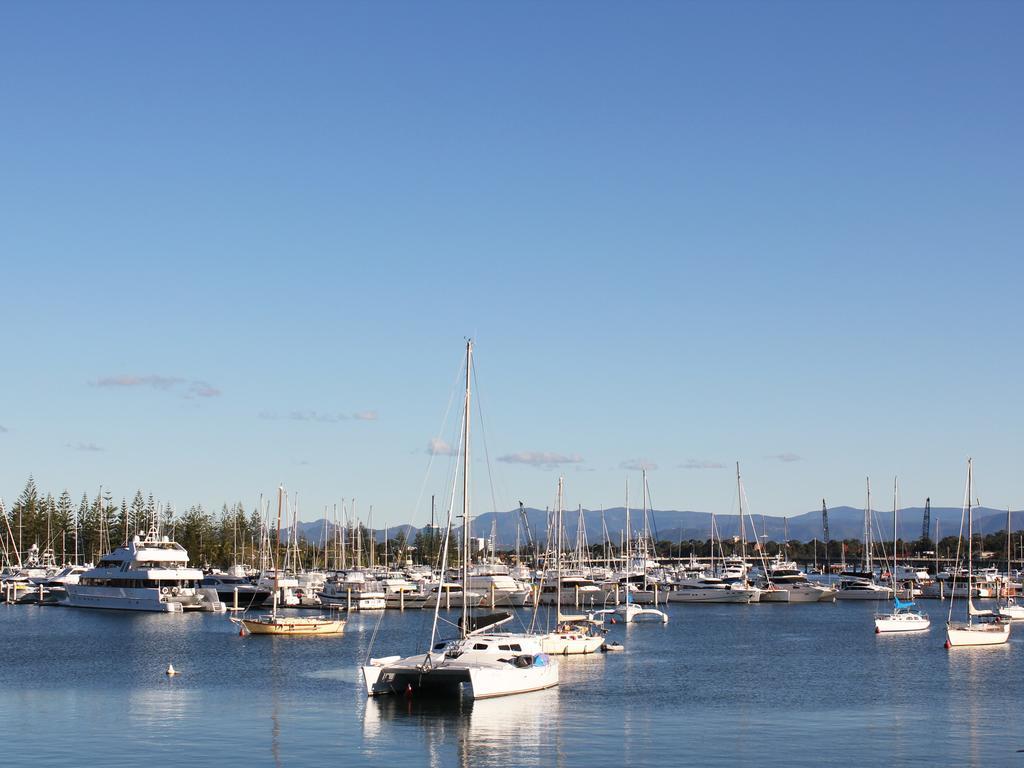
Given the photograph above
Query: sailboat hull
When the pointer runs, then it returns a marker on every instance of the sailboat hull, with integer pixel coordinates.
(1012, 612)
(293, 625)
(974, 635)
(901, 622)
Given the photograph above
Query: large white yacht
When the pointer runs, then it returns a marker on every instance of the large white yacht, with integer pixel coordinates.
(788, 584)
(149, 574)
(497, 585)
(576, 590)
(704, 588)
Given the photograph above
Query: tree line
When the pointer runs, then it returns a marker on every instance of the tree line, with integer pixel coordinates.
(83, 531)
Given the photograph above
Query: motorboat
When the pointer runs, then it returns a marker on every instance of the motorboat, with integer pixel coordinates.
(147, 574)
(498, 587)
(451, 596)
(787, 578)
(236, 591)
(862, 589)
(576, 590)
(711, 589)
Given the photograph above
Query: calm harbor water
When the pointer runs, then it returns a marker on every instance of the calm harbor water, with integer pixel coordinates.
(768, 684)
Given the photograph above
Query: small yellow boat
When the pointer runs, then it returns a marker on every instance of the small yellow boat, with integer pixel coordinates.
(272, 624)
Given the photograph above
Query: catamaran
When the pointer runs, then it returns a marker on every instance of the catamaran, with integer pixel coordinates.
(481, 663)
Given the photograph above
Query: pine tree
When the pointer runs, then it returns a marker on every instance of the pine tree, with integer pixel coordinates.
(138, 514)
(26, 514)
(151, 518)
(63, 522)
(81, 520)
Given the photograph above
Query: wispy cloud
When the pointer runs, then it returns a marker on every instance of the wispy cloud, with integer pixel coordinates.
(89, 447)
(637, 464)
(786, 457)
(438, 447)
(321, 416)
(324, 417)
(189, 388)
(3, 429)
(541, 459)
(701, 464)
(202, 389)
(127, 380)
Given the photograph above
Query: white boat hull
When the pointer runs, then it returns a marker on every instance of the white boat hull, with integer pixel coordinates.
(901, 622)
(477, 681)
(121, 599)
(743, 596)
(1012, 612)
(570, 643)
(974, 635)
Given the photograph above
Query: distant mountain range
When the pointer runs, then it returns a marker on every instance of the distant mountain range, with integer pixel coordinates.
(673, 525)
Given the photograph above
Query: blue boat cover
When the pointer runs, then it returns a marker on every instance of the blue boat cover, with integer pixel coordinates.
(902, 604)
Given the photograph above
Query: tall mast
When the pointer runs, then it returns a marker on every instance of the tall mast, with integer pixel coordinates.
(866, 559)
(712, 543)
(895, 534)
(465, 492)
(277, 552)
(558, 556)
(824, 530)
(643, 477)
(1007, 544)
(743, 528)
(970, 540)
(629, 535)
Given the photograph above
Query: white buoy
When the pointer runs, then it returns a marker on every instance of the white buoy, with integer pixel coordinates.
(171, 671)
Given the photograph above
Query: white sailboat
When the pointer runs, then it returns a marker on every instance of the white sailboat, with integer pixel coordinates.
(903, 618)
(572, 634)
(969, 634)
(480, 663)
(1010, 608)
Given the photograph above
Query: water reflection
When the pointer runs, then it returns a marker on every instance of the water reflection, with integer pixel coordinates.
(974, 724)
(163, 704)
(509, 730)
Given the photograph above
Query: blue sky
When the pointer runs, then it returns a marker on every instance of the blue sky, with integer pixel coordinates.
(243, 243)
